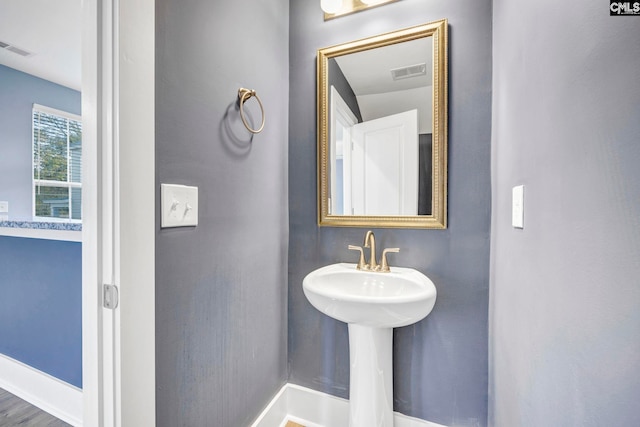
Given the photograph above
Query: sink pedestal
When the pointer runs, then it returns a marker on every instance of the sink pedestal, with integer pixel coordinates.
(371, 376)
(372, 304)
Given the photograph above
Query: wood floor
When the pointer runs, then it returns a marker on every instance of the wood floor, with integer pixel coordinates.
(17, 412)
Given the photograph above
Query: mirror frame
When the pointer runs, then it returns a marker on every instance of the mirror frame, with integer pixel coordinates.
(438, 218)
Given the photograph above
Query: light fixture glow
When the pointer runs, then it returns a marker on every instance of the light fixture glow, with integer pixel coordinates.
(331, 6)
(335, 8)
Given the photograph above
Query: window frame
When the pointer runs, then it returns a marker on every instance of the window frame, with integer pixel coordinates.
(35, 182)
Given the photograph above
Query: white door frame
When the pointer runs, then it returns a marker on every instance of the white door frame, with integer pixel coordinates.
(340, 115)
(118, 212)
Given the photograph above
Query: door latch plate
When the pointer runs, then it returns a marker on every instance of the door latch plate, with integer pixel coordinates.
(110, 297)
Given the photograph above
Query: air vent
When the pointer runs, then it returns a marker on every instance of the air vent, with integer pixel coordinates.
(408, 72)
(14, 49)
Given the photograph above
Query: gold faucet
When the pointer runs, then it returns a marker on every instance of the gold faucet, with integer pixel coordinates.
(370, 242)
(384, 265)
(362, 265)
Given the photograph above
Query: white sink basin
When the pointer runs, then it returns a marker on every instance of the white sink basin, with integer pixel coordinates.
(379, 300)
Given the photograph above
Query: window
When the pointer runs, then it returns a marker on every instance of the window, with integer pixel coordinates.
(57, 165)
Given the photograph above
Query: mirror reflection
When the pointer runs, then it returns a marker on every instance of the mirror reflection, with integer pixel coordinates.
(382, 122)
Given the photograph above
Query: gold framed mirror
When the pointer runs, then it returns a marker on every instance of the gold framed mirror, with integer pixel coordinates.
(382, 130)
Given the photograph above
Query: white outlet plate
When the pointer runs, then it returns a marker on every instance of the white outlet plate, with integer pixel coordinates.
(4, 207)
(179, 205)
(517, 205)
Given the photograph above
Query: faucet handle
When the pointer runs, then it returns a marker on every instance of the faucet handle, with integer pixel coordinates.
(384, 266)
(362, 264)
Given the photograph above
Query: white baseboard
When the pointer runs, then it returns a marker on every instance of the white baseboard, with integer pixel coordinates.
(60, 399)
(314, 409)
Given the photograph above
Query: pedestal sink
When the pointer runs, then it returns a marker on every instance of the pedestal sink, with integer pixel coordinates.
(372, 304)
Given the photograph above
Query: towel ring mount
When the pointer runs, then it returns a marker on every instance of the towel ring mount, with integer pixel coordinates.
(243, 96)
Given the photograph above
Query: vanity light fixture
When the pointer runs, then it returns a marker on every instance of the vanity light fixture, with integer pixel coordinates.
(331, 6)
(334, 8)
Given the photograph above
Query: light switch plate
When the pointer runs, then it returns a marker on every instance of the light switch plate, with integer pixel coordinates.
(4, 207)
(179, 205)
(517, 205)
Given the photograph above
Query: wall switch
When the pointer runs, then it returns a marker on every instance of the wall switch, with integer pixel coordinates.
(4, 207)
(517, 205)
(179, 205)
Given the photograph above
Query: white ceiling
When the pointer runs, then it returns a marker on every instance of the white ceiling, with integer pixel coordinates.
(51, 30)
(369, 75)
(369, 72)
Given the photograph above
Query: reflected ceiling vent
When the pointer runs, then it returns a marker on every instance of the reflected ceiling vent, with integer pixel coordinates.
(410, 71)
(14, 49)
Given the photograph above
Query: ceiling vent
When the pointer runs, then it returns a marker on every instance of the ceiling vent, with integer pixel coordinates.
(410, 71)
(14, 49)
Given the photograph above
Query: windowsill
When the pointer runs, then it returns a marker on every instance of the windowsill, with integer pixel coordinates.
(64, 231)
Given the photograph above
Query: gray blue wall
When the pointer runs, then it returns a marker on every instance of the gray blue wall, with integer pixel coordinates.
(41, 305)
(18, 93)
(221, 316)
(40, 308)
(342, 86)
(565, 290)
(441, 362)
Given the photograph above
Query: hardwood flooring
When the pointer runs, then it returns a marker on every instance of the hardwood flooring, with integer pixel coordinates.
(17, 412)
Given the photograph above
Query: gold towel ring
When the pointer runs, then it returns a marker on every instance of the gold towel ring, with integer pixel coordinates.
(243, 96)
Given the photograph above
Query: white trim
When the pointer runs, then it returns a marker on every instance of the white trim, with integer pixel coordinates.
(118, 105)
(49, 183)
(56, 112)
(342, 114)
(134, 213)
(95, 63)
(39, 233)
(276, 411)
(118, 113)
(107, 163)
(315, 409)
(60, 399)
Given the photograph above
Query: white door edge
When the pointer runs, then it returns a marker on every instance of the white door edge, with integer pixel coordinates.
(118, 105)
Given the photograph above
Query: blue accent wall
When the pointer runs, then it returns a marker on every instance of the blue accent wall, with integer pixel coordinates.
(18, 92)
(565, 290)
(440, 363)
(41, 305)
(221, 305)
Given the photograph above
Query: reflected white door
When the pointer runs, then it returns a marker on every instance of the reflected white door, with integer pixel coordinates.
(384, 166)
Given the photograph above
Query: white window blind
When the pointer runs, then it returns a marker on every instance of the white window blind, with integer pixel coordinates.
(57, 165)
